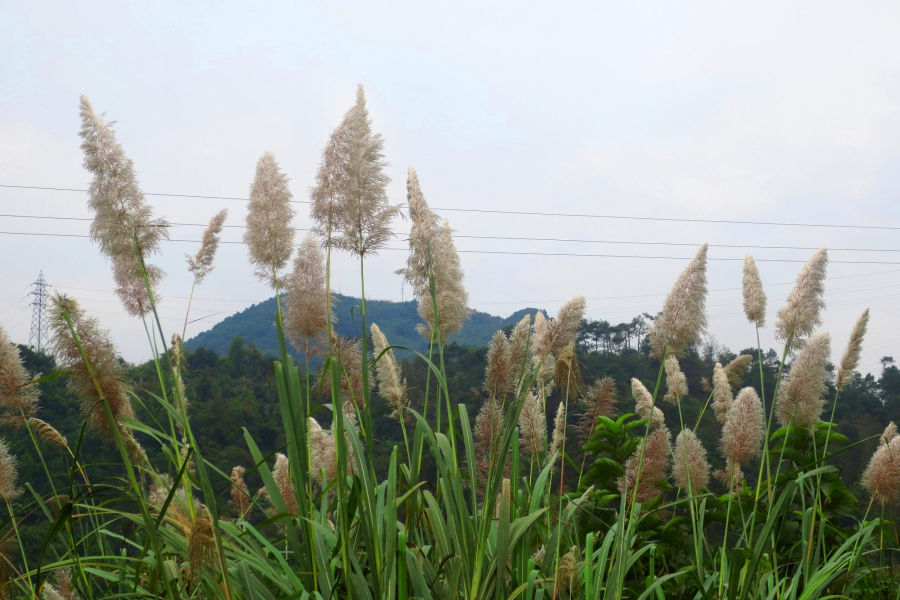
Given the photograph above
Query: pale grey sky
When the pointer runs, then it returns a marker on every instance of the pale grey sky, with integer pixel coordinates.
(776, 111)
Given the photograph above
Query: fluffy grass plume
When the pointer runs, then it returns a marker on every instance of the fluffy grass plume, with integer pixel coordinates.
(485, 435)
(532, 426)
(643, 404)
(123, 224)
(802, 313)
(735, 369)
(882, 477)
(656, 449)
(676, 382)
(47, 432)
(519, 342)
(18, 398)
(305, 314)
(497, 371)
(269, 236)
(890, 432)
(558, 439)
(201, 264)
(684, 313)
(800, 400)
(722, 396)
(754, 296)
(690, 461)
(554, 335)
(599, 401)
(201, 542)
(850, 359)
(107, 370)
(745, 428)
(9, 473)
(331, 182)
(323, 455)
(239, 504)
(391, 384)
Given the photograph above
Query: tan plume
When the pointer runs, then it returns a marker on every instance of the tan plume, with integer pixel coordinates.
(735, 369)
(281, 473)
(690, 468)
(882, 477)
(331, 182)
(107, 382)
(800, 316)
(9, 473)
(497, 381)
(486, 435)
(532, 426)
(676, 382)
(754, 296)
(201, 264)
(558, 439)
(800, 399)
(683, 320)
(722, 396)
(323, 455)
(239, 504)
(391, 384)
(644, 405)
(655, 451)
(18, 395)
(732, 476)
(745, 428)
(567, 574)
(599, 401)
(890, 432)
(47, 432)
(305, 314)
(850, 360)
(349, 355)
(201, 542)
(558, 333)
(269, 235)
(519, 363)
(123, 225)
(567, 373)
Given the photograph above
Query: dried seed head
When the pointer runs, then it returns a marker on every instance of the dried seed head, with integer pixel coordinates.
(323, 455)
(800, 399)
(735, 369)
(721, 393)
(656, 449)
(599, 401)
(802, 314)
(239, 504)
(519, 341)
(364, 215)
(684, 314)
(331, 182)
(9, 473)
(882, 477)
(567, 373)
(201, 542)
(269, 236)
(690, 469)
(123, 224)
(281, 473)
(305, 314)
(349, 355)
(754, 296)
(497, 381)
(18, 396)
(47, 432)
(558, 440)
(850, 360)
(745, 427)
(486, 434)
(644, 406)
(62, 579)
(676, 382)
(567, 574)
(108, 372)
(391, 384)
(555, 335)
(890, 432)
(731, 476)
(201, 264)
(532, 426)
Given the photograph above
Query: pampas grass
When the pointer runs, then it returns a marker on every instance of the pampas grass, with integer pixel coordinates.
(800, 401)
(800, 316)
(683, 320)
(269, 236)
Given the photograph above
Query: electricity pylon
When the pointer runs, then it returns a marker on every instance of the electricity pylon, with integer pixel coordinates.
(40, 306)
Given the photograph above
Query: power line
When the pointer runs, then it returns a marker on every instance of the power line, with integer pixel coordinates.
(780, 260)
(525, 213)
(524, 238)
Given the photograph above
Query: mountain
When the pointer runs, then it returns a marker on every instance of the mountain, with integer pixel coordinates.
(397, 320)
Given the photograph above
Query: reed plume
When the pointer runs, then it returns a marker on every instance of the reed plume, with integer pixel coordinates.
(800, 316)
(9, 473)
(599, 401)
(732, 477)
(452, 298)
(281, 473)
(655, 448)
(890, 432)
(644, 405)
(542, 360)
(754, 296)
(567, 574)
(391, 384)
(62, 588)
(800, 400)
(676, 382)
(558, 439)
(690, 468)
(519, 342)
(305, 314)
(331, 182)
(532, 426)
(323, 455)
(683, 320)
(101, 379)
(497, 380)
(201, 542)
(349, 355)
(239, 505)
(201, 264)
(722, 396)
(745, 428)
(269, 236)
(882, 477)
(47, 432)
(558, 333)
(486, 433)
(735, 369)
(850, 360)
(123, 225)
(18, 396)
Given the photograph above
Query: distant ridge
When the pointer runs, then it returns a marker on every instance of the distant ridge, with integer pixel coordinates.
(397, 320)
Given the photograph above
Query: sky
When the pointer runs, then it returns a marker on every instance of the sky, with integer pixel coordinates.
(768, 112)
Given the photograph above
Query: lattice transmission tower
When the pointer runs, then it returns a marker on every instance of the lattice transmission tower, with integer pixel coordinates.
(40, 307)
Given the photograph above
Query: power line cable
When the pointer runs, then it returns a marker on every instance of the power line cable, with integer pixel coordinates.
(525, 213)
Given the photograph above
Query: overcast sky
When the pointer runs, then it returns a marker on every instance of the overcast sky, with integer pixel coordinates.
(776, 112)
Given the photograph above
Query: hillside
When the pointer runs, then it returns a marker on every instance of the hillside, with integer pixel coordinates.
(397, 320)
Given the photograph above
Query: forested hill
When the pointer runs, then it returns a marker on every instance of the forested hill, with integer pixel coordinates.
(398, 320)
